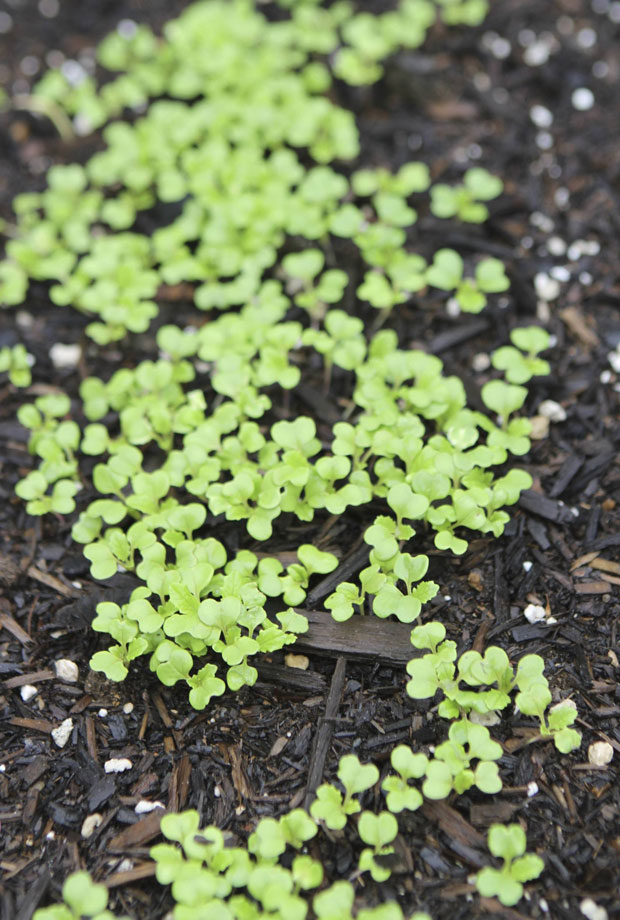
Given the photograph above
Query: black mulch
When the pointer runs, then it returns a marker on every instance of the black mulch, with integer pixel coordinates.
(261, 751)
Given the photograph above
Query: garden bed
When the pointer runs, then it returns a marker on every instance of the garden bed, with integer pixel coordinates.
(507, 96)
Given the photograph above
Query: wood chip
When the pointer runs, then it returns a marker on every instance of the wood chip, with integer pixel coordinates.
(35, 725)
(139, 833)
(359, 637)
(575, 320)
(606, 565)
(586, 559)
(7, 622)
(35, 677)
(143, 870)
(50, 581)
(301, 662)
(593, 587)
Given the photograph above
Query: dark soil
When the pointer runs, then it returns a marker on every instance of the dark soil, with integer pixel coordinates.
(258, 752)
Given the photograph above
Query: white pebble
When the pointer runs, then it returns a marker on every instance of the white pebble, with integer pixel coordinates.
(582, 99)
(605, 377)
(600, 753)
(556, 246)
(592, 910)
(614, 11)
(117, 765)
(90, 825)
(560, 273)
(600, 70)
(67, 670)
(532, 789)
(547, 288)
(541, 116)
(614, 359)
(485, 718)
(102, 713)
(27, 692)
(481, 362)
(552, 410)
(144, 808)
(585, 278)
(542, 221)
(534, 613)
(453, 307)
(586, 38)
(128, 708)
(536, 54)
(527, 565)
(544, 140)
(63, 356)
(2, 768)
(62, 734)
(561, 197)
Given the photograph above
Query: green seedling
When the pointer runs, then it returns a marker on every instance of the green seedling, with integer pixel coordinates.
(16, 362)
(400, 796)
(508, 843)
(521, 363)
(446, 273)
(330, 806)
(82, 898)
(379, 831)
(466, 201)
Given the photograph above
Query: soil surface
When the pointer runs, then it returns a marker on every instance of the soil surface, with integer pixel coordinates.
(467, 98)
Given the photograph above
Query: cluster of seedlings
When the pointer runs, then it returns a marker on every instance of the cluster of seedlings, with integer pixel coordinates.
(242, 147)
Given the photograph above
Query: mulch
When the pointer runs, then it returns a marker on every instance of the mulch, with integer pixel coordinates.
(462, 100)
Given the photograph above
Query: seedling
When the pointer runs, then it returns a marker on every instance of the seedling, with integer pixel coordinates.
(82, 898)
(508, 843)
(522, 363)
(465, 201)
(16, 362)
(330, 806)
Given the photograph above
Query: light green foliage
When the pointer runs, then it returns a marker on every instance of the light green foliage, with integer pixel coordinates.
(330, 805)
(82, 898)
(521, 363)
(508, 843)
(446, 273)
(16, 362)
(466, 201)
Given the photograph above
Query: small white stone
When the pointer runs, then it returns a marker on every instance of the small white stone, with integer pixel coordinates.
(217, 792)
(586, 38)
(544, 140)
(556, 246)
(532, 789)
(592, 910)
(560, 273)
(62, 734)
(561, 197)
(600, 6)
(541, 116)
(534, 613)
(600, 70)
(527, 565)
(144, 808)
(582, 99)
(27, 692)
(585, 278)
(453, 307)
(481, 362)
(605, 377)
(547, 288)
(73, 72)
(125, 865)
(485, 718)
(501, 48)
(552, 410)
(67, 670)
(543, 906)
(90, 825)
(63, 356)
(117, 765)
(542, 221)
(614, 11)
(127, 28)
(128, 708)
(600, 753)
(536, 54)
(50, 835)
(102, 713)
(2, 768)
(614, 359)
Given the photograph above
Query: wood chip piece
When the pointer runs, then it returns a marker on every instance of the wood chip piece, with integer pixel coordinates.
(593, 587)
(139, 833)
